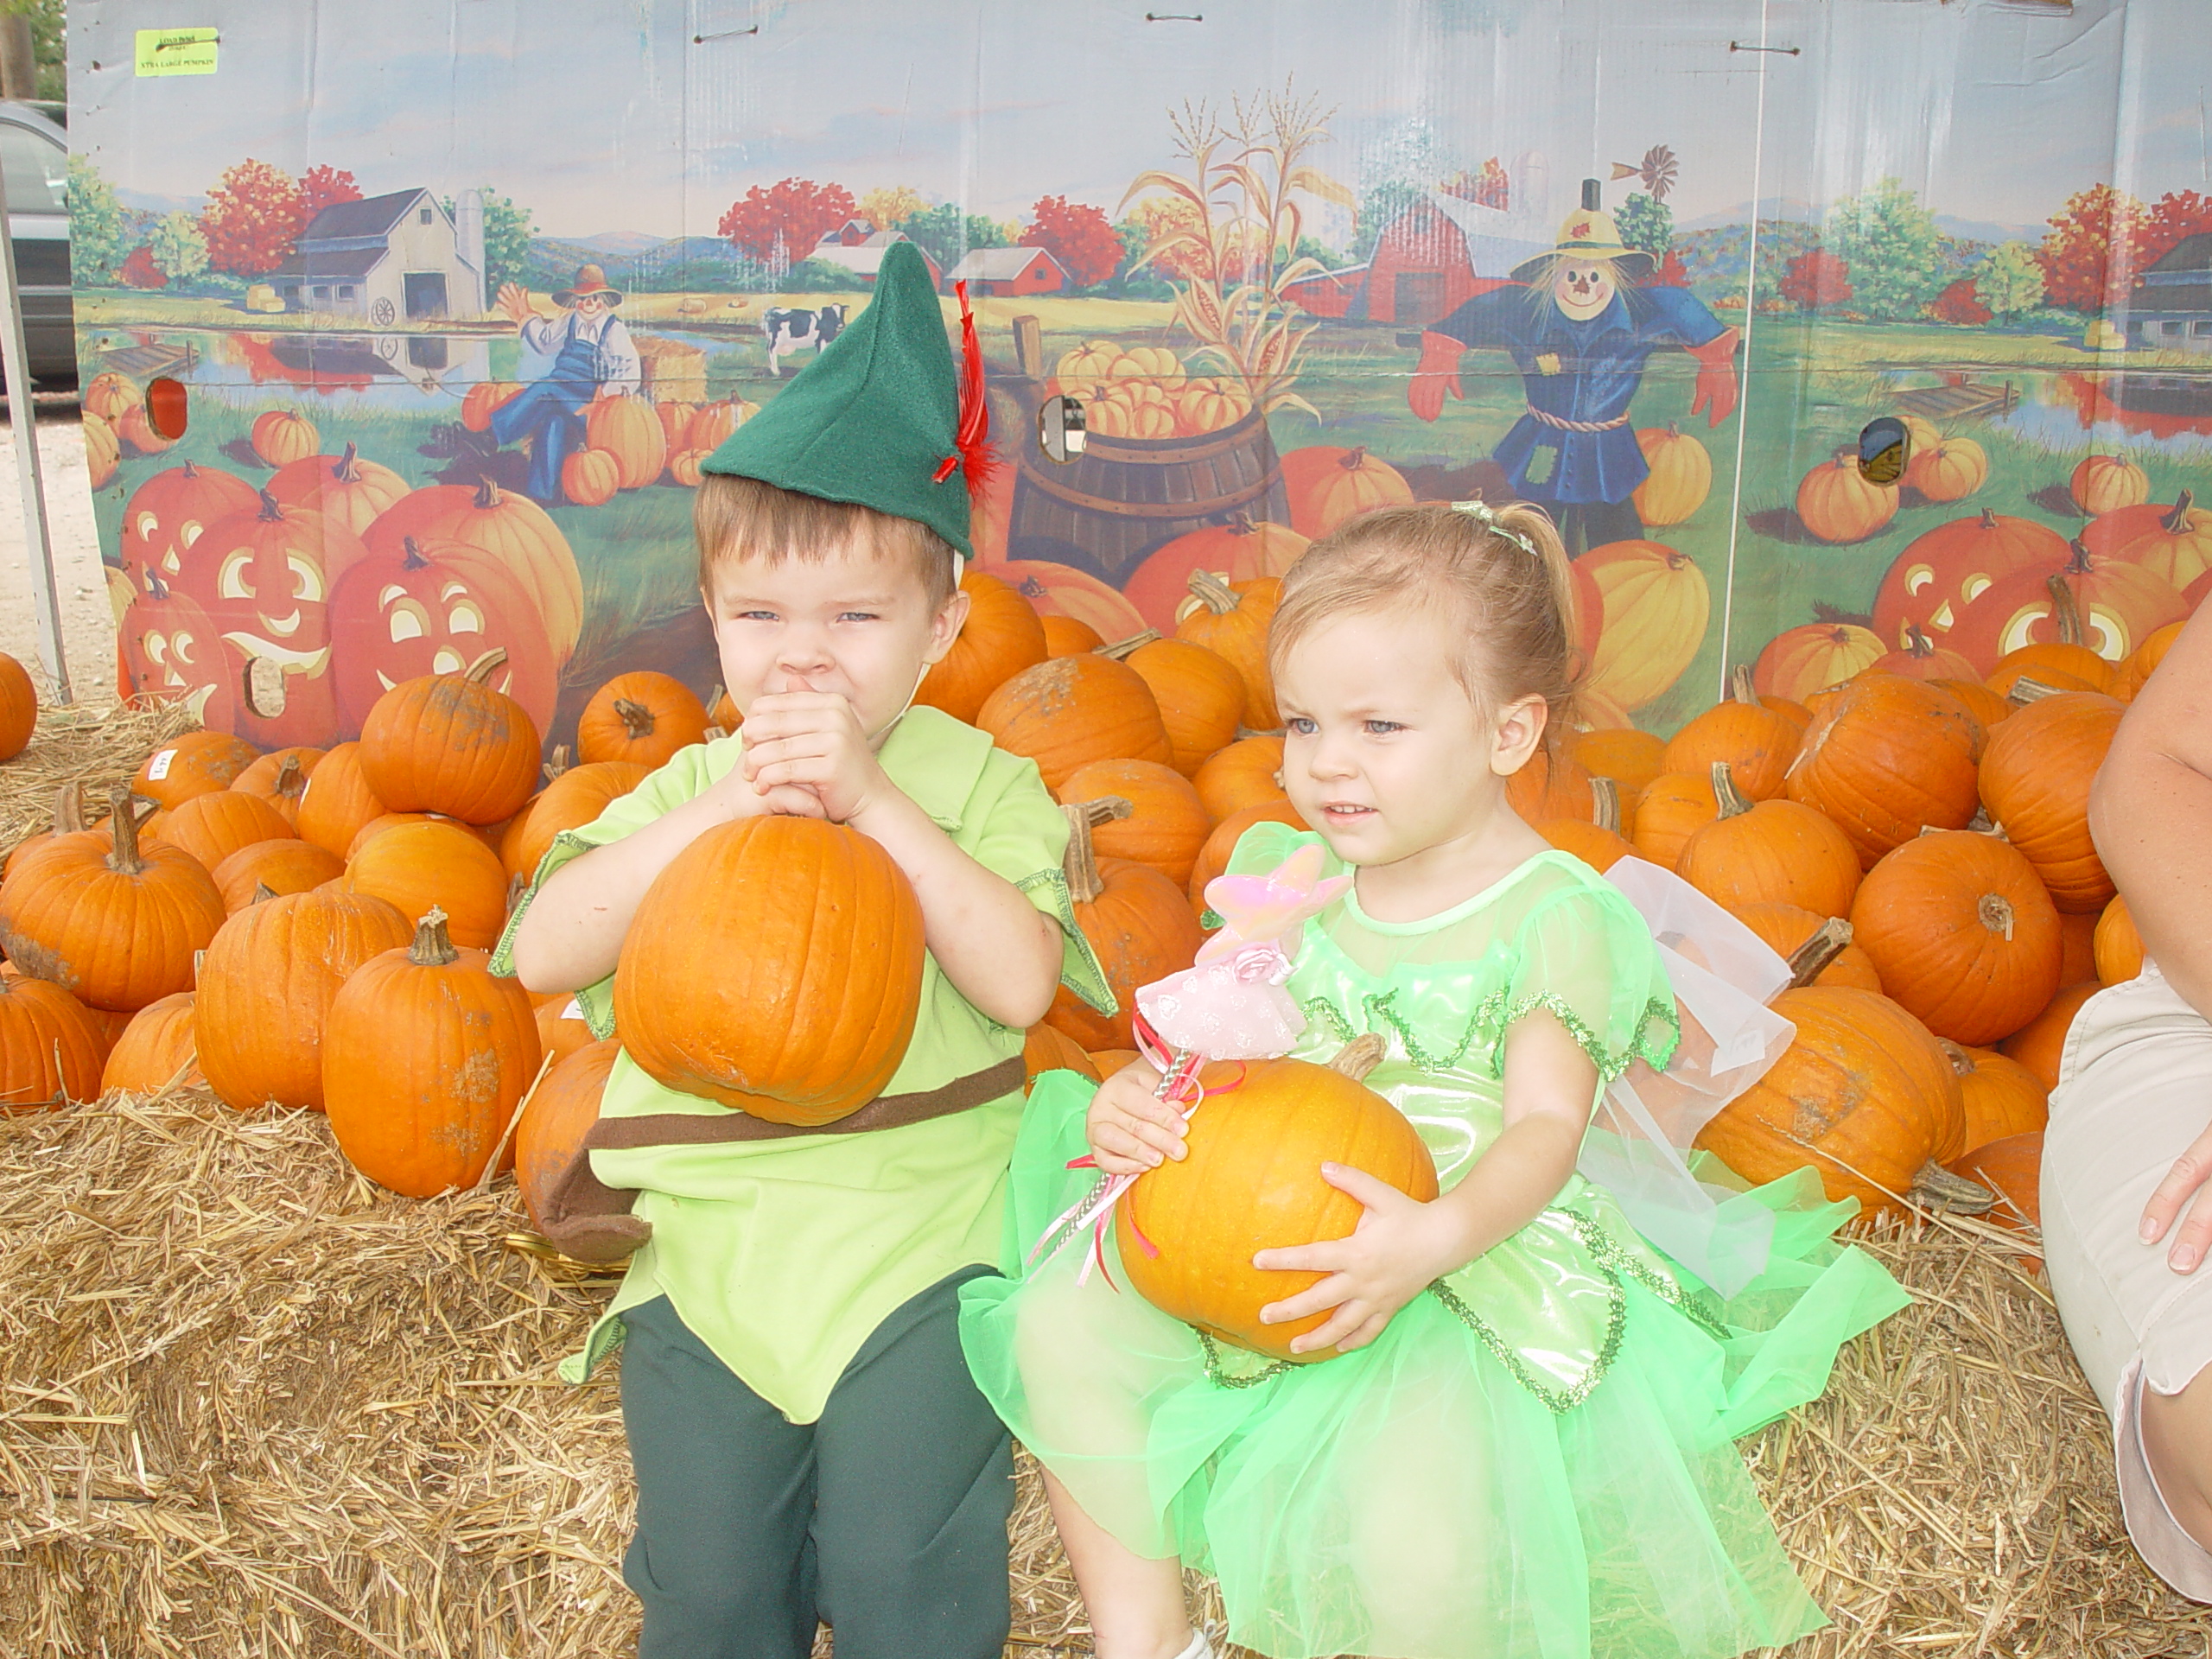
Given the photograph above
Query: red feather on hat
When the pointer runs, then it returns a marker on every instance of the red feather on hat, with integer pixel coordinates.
(977, 459)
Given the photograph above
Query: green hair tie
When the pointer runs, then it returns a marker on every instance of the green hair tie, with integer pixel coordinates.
(1481, 511)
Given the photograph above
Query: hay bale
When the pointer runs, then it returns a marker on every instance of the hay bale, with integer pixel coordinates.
(93, 745)
(249, 1404)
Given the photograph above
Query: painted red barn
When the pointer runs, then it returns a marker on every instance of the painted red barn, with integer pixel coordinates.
(1003, 273)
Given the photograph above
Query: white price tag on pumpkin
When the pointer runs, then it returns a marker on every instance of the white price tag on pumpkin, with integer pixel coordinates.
(574, 1011)
(158, 767)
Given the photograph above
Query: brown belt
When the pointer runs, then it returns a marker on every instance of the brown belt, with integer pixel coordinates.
(585, 1218)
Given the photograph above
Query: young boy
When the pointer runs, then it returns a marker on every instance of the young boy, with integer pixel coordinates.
(806, 1437)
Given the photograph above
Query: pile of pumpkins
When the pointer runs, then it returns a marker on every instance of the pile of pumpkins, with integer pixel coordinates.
(311, 929)
(629, 442)
(1145, 392)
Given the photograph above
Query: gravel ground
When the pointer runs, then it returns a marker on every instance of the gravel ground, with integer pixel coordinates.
(87, 622)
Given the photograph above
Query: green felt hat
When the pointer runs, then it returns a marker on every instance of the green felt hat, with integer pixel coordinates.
(877, 417)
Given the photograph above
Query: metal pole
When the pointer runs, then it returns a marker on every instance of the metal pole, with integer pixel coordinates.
(23, 417)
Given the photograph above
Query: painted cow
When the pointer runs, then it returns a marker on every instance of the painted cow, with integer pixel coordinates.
(790, 331)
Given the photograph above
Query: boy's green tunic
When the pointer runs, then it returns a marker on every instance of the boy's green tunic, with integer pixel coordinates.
(784, 1255)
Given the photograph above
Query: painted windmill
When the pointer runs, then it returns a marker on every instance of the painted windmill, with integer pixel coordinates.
(1657, 170)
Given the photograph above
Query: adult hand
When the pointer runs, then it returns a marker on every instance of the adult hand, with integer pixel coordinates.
(2184, 1185)
(1436, 376)
(812, 741)
(1129, 1131)
(514, 299)
(1400, 1246)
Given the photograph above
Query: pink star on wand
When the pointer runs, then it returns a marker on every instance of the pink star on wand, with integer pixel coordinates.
(1270, 908)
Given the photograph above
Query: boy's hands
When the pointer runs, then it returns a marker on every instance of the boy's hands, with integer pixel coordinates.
(736, 796)
(809, 744)
(1400, 1245)
(1130, 1132)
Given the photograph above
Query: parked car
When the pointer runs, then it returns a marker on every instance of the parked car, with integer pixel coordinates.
(34, 167)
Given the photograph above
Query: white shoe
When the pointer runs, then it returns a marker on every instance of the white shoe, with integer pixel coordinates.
(1199, 1648)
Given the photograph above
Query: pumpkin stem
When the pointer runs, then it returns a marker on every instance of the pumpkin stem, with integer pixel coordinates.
(2178, 521)
(431, 948)
(1733, 804)
(410, 551)
(557, 762)
(1822, 946)
(348, 471)
(480, 669)
(1242, 524)
(1080, 863)
(1214, 591)
(69, 809)
(1917, 644)
(1121, 650)
(272, 510)
(261, 890)
(1360, 1056)
(1352, 459)
(291, 782)
(1739, 686)
(637, 719)
(1982, 824)
(198, 962)
(124, 857)
(1961, 1062)
(1996, 913)
(1605, 803)
(487, 495)
(1936, 1188)
(2025, 691)
(1988, 519)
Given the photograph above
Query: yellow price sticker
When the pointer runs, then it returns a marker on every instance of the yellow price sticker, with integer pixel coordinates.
(177, 51)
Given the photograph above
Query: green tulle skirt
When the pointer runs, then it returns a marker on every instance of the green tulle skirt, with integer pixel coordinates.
(1414, 1499)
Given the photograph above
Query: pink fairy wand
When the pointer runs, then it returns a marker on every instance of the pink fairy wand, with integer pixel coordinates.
(1230, 1005)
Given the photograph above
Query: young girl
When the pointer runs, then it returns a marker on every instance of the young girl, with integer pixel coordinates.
(1517, 1442)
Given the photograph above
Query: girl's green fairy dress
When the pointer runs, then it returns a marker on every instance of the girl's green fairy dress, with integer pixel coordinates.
(1537, 1458)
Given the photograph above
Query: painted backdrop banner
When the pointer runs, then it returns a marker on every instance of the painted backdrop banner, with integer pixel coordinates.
(458, 302)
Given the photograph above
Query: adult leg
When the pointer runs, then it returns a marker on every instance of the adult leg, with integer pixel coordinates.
(915, 1484)
(2177, 1446)
(721, 1559)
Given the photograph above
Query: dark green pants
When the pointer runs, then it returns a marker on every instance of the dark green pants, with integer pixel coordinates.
(885, 1520)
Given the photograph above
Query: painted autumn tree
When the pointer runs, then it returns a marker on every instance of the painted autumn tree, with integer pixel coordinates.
(890, 205)
(1892, 247)
(1079, 236)
(252, 219)
(2089, 254)
(323, 186)
(177, 246)
(782, 223)
(2009, 281)
(1815, 278)
(1959, 304)
(2177, 214)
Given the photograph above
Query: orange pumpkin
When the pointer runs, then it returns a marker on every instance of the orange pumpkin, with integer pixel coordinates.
(211, 827)
(1961, 932)
(557, 1119)
(1673, 807)
(1757, 742)
(157, 1050)
(1213, 857)
(50, 1051)
(675, 423)
(1830, 955)
(1680, 479)
(1167, 823)
(1240, 551)
(1231, 620)
(1769, 852)
(2036, 780)
(103, 450)
(18, 708)
(1597, 840)
(2135, 673)
(1068, 711)
(266, 987)
(1249, 772)
(2174, 543)
(1865, 1095)
(1888, 758)
(1189, 1253)
(288, 865)
(1949, 469)
(1654, 605)
(712, 423)
(2102, 484)
(1627, 756)
(344, 489)
(1200, 693)
(1001, 636)
(1064, 636)
(1546, 787)
(627, 431)
(2001, 1096)
(112, 921)
(1328, 487)
(510, 526)
(2118, 947)
(337, 801)
(425, 1055)
(280, 777)
(191, 765)
(281, 437)
(482, 401)
(1043, 1049)
(561, 1030)
(2012, 1169)
(2077, 947)
(1799, 662)
(1837, 503)
(589, 478)
(419, 866)
(775, 966)
(1922, 658)
(570, 802)
(1138, 924)
(111, 395)
(1062, 590)
(2095, 601)
(448, 743)
(1940, 572)
(646, 716)
(2040, 1043)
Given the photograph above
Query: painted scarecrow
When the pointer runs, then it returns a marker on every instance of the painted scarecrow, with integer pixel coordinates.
(1579, 331)
(592, 355)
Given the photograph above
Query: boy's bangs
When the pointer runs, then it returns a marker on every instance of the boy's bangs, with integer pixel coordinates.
(745, 519)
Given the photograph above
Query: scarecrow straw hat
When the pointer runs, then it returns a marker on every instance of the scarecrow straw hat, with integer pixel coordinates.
(1589, 233)
(590, 280)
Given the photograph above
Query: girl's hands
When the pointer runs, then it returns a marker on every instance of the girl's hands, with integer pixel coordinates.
(1130, 1132)
(810, 743)
(1399, 1247)
(2184, 1185)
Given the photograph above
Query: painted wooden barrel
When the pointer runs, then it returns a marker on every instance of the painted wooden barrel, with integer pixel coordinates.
(1105, 510)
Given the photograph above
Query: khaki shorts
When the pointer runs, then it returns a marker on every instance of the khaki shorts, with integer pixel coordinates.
(2134, 1089)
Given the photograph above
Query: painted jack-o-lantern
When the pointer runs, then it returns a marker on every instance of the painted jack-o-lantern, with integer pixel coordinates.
(167, 513)
(266, 577)
(171, 650)
(1943, 571)
(437, 608)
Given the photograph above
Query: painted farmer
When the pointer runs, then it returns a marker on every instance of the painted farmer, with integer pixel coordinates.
(1579, 331)
(592, 354)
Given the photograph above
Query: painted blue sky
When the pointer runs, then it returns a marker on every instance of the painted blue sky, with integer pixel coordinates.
(609, 117)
